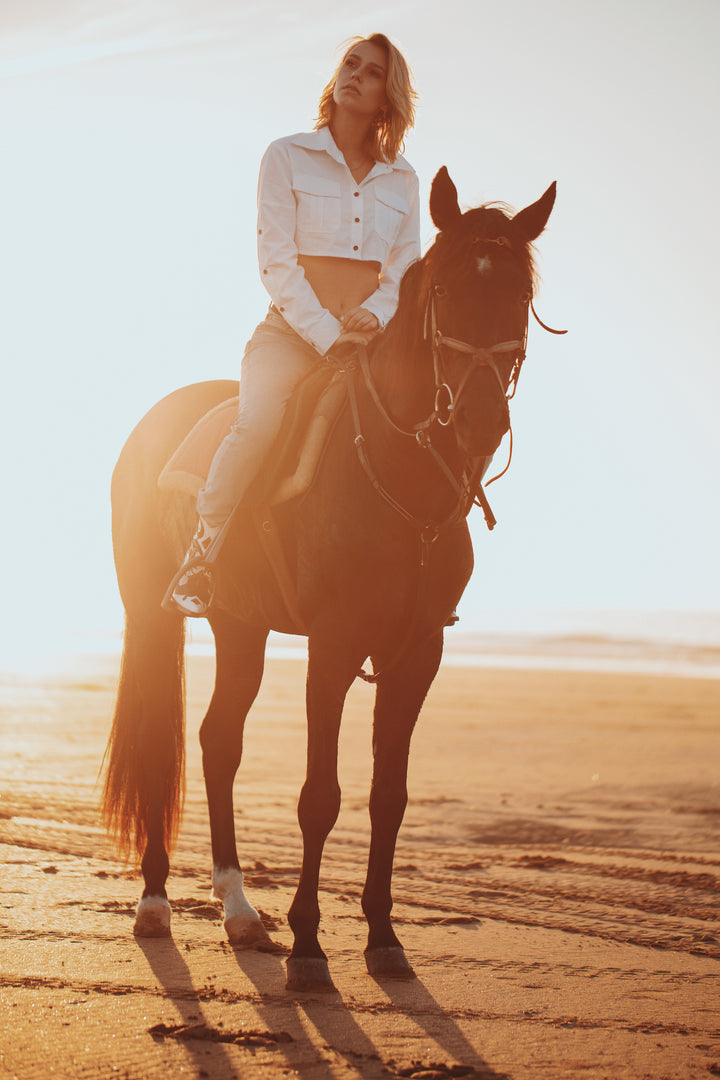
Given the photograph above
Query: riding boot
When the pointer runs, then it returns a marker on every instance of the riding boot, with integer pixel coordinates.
(191, 590)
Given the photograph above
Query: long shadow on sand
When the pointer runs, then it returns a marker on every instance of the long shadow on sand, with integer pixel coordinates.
(335, 1021)
(328, 1014)
(413, 999)
(173, 974)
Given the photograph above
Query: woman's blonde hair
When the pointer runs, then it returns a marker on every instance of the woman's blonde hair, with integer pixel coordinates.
(387, 134)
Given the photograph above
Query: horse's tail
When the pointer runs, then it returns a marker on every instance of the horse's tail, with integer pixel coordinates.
(144, 763)
(145, 757)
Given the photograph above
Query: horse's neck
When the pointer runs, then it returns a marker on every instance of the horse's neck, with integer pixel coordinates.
(401, 366)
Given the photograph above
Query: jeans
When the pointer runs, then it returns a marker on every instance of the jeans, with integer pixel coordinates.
(275, 360)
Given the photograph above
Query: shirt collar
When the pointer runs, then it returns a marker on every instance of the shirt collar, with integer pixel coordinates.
(322, 140)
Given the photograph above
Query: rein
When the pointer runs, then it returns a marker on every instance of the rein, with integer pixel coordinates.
(428, 530)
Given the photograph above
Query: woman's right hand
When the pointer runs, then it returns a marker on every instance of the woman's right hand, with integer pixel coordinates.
(359, 320)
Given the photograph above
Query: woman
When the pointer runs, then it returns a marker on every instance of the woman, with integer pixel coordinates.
(338, 224)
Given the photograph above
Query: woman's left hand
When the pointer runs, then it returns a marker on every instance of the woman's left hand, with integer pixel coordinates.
(360, 321)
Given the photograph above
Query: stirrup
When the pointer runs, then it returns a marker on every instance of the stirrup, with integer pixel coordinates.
(192, 588)
(191, 591)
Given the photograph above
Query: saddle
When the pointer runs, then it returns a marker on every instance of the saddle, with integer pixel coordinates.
(293, 462)
(287, 473)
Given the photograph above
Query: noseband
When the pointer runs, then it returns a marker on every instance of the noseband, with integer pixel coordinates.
(479, 357)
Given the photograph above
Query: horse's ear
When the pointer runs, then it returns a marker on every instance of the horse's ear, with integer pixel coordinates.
(444, 208)
(530, 222)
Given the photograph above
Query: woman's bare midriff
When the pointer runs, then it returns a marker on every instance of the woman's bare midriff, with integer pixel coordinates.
(340, 284)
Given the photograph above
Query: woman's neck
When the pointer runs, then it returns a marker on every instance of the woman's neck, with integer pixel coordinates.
(351, 136)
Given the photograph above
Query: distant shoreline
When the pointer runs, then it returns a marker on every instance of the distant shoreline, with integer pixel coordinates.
(592, 653)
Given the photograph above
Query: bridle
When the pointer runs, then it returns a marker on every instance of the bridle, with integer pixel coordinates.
(469, 488)
(479, 357)
(443, 413)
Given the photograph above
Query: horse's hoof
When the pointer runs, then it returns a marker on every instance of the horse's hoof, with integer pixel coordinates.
(309, 974)
(152, 917)
(249, 933)
(388, 962)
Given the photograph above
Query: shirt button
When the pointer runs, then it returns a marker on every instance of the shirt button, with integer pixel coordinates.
(356, 194)
(264, 271)
(355, 247)
(356, 220)
(259, 232)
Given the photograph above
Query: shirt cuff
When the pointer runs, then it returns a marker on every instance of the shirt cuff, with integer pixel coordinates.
(325, 333)
(378, 306)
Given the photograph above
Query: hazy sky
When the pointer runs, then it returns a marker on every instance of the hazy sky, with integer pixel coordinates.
(131, 135)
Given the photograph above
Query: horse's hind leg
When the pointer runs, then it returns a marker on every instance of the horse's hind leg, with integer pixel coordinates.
(240, 654)
(400, 695)
(152, 918)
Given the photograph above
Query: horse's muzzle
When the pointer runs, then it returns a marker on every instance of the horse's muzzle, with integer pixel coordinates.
(481, 425)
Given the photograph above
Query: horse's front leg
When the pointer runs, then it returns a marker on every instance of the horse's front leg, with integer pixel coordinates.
(400, 695)
(330, 674)
(240, 656)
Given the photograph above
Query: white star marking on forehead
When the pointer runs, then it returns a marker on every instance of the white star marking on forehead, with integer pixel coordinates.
(484, 264)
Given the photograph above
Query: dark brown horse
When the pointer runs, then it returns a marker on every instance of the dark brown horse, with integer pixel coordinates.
(381, 552)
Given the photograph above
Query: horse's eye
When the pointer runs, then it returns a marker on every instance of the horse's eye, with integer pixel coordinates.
(440, 291)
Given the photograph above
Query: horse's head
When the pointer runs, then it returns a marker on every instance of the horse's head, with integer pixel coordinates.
(478, 284)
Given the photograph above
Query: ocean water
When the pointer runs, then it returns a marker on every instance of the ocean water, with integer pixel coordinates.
(685, 643)
(694, 628)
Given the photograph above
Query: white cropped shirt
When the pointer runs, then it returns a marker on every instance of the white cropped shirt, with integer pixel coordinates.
(309, 204)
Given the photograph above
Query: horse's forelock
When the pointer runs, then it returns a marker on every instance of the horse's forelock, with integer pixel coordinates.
(489, 221)
(453, 247)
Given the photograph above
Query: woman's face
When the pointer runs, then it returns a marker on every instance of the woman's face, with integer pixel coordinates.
(360, 82)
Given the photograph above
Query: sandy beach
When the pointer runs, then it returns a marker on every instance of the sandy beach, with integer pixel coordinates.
(556, 889)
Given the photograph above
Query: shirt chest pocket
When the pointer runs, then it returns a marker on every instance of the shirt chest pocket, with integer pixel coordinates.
(318, 204)
(391, 210)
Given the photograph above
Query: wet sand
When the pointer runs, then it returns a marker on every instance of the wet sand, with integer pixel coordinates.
(556, 888)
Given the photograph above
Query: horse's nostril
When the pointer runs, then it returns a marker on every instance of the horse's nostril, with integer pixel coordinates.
(481, 426)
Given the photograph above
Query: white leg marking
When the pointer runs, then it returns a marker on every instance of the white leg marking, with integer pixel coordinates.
(152, 917)
(242, 922)
(228, 887)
